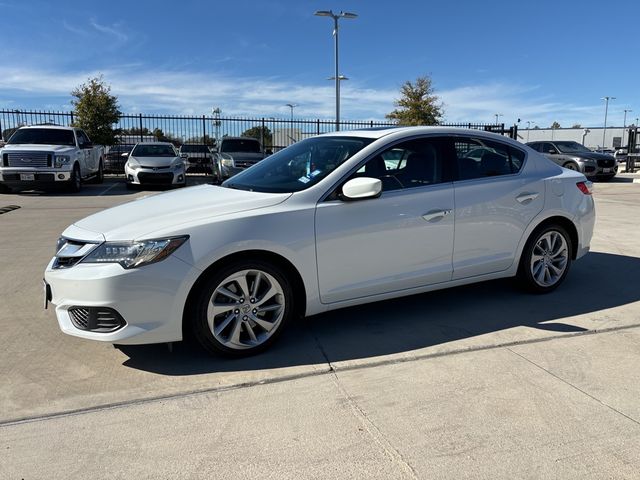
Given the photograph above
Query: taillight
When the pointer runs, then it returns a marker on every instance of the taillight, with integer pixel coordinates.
(584, 187)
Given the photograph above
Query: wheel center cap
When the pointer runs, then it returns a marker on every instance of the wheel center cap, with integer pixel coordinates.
(246, 308)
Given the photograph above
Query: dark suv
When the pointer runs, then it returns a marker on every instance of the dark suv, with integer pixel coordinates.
(574, 156)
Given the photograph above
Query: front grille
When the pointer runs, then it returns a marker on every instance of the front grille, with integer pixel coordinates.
(606, 163)
(96, 319)
(28, 159)
(155, 178)
(245, 164)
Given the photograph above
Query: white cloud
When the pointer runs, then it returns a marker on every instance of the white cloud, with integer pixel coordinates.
(182, 92)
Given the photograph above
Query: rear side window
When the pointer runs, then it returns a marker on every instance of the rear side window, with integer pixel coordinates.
(480, 158)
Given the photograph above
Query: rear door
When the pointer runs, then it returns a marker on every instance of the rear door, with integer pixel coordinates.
(496, 198)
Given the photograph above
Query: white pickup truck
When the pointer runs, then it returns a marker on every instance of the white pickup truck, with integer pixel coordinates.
(43, 156)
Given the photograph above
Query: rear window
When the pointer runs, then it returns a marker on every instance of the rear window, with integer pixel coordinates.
(194, 149)
(153, 151)
(240, 145)
(42, 136)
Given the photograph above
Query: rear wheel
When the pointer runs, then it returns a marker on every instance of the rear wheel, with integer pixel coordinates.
(241, 309)
(546, 259)
(4, 188)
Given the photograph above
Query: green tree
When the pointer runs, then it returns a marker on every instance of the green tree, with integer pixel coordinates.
(418, 105)
(576, 125)
(265, 136)
(555, 125)
(96, 110)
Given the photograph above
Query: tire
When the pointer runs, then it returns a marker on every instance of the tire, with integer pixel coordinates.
(4, 189)
(100, 175)
(75, 184)
(571, 166)
(541, 275)
(240, 328)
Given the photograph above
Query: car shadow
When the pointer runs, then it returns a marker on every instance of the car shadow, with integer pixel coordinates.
(597, 282)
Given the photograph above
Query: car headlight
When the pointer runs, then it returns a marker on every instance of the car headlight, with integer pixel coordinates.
(135, 254)
(133, 163)
(227, 160)
(61, 160)
(178, 163)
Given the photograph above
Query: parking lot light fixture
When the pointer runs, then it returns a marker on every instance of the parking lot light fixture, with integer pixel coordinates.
(624, 123)
(606, 110)
(336, 77)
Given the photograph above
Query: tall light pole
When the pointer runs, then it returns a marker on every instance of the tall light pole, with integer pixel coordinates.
(606, 110)
(529, 123)
(336, 17)
(624, 124)
(498, 115)
(291, 106)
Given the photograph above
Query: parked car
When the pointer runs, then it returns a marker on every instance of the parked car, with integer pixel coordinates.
(43, 156)
(323, 224)
(236, 154)
(199, 158)
(116, 156)
(155, 163)
(575, 156)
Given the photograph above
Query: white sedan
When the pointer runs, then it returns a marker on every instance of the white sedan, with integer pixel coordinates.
(332, 221)
(155, 163)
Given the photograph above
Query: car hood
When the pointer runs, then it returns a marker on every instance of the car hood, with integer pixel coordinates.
(592, 155)
(167, 211)
(246, 155)
(155, 162)
(33, 147)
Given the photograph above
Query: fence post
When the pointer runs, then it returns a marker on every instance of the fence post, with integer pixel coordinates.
(141, 137)
(262, 135)
(318, 126)
(204, 130)
(72, 118)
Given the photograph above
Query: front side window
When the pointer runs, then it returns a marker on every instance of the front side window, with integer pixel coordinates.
(299, 166)
(414, 163)
(479, 158)
(549, 148)
(143, 150)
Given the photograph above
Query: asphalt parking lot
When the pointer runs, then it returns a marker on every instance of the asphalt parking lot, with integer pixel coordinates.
(482, 381)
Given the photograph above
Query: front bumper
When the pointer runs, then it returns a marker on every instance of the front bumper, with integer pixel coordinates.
(595, 170)
(32, 178)
(150, 299)
(155, 176)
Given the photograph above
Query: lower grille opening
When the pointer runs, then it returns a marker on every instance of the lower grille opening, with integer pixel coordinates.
(96, 319)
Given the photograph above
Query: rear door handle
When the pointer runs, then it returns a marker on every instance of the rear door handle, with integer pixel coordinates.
(525, 198)
(435, 215)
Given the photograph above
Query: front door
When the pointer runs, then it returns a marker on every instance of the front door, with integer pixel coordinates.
(401, 240)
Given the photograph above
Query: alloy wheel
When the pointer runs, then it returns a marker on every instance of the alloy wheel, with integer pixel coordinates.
(245, 309)
(549, 258)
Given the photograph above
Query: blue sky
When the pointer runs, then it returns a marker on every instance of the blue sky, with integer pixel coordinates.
(539, 61)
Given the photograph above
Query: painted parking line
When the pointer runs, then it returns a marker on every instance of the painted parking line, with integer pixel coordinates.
(9, 208)
(108, 189)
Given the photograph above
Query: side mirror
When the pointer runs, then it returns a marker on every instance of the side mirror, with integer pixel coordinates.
(552, 151)
(184, 155)
(361, 188)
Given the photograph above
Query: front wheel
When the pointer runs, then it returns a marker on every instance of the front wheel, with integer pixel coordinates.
(100, 175)
(546, 259)
(241, 309)
(75, 184)
(571, 166)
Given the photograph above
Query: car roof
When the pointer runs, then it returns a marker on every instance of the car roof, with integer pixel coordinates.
(46, 125)
(400, 132)
(154, 143)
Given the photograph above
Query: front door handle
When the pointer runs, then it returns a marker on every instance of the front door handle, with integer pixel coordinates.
(525, 198)
(435, 215)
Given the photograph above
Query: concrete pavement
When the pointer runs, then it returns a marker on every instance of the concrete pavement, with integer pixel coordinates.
(476, 382)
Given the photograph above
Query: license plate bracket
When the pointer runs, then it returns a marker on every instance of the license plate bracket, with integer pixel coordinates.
(606, 170)
(27, 177)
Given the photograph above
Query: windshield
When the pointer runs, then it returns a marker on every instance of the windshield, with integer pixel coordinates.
(43, 136)
(240, 145)
(571, 147)
(194, 149)
(153, 151)
(299, 166)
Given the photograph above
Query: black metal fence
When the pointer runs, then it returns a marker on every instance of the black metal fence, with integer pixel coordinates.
(275, 133)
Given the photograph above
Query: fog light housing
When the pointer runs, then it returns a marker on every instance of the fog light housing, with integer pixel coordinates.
(96, 319)
(180, 178)
(130, 178)
(60, 176)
